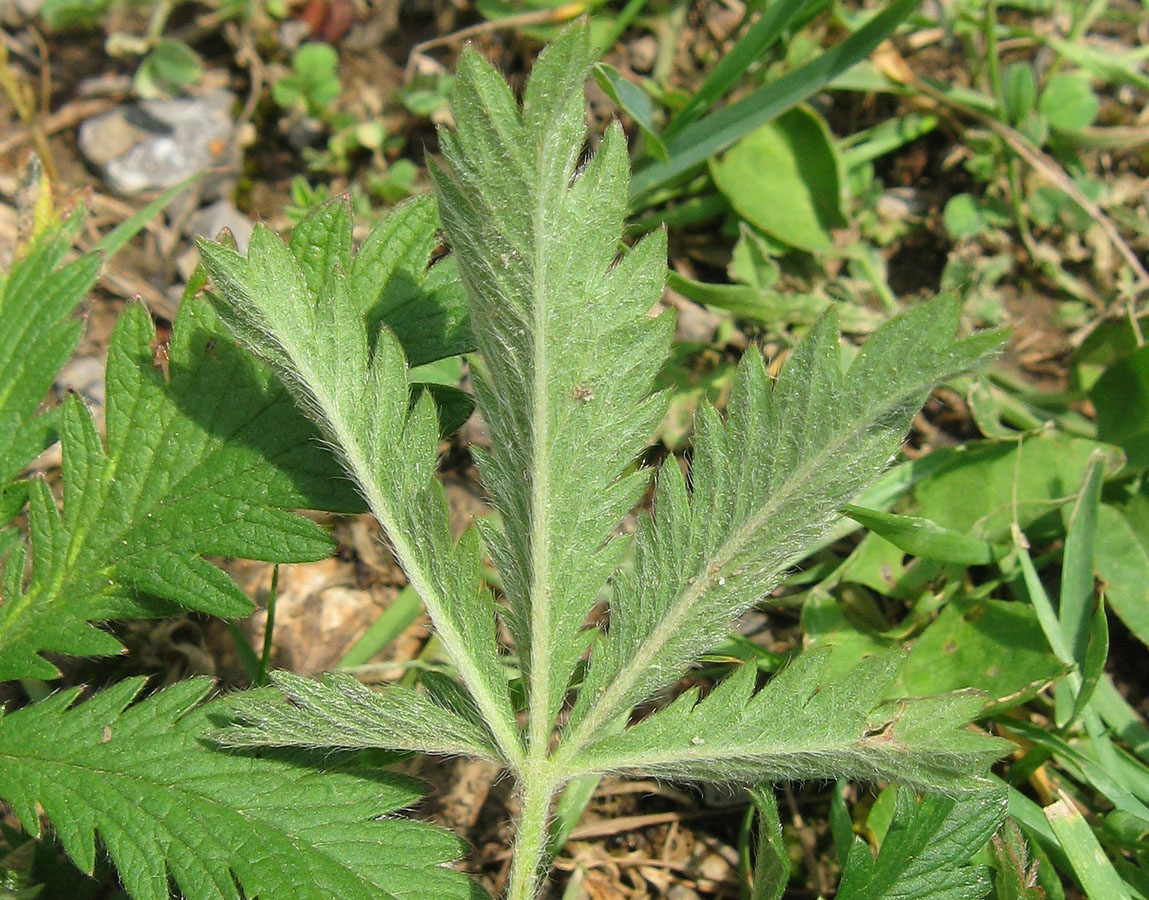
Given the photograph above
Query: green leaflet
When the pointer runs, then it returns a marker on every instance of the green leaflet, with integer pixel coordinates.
(338, 711)
(926, 853)
(165, 804)
(206, 464)
(803, 726)
(299, 309)
(392, 283)
(766, 483)
(37, 335)
(568, 354)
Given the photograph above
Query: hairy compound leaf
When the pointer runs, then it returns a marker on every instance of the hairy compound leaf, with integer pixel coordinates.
(338, 711)
(765, 484)
(37, 335)
(167, 805)
(803, 726)
(568, 353)
(208, 463)
(297, 307)
(926, 853)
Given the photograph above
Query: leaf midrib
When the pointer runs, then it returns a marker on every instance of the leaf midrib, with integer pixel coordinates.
(539, 596)
(749, 749)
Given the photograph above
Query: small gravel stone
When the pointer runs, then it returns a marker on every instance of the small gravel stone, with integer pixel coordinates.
(643, 53)
(85, 376)
(155, 144)
(302, 131)
(901, 204)
(17, 12)
(211, 220)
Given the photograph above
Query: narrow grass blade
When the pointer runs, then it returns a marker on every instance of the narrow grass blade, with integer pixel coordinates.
(1030, 817)
(1093, 665)
(758, 38)
(717, 131)
(1108, 779)
(925, 538)
(1043, 606)
(633, 101)
(1075, 607)
(1122, 718)
(1088, 860)
(112, 242)
(569, 809)
(395, 619)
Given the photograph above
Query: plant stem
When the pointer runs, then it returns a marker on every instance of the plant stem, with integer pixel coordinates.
(530, 835)
(268, 629)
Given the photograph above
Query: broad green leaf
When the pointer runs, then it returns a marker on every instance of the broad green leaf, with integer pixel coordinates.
(977, 492)
(995, 646)
(1121, 398)
(926, 853)
(300, 310)
(1019, 87)
(765, 485)
(824, 623)
(963, 217)
(927, 539)
(803, 726)
(170, 67)
(339, 712)
(1068, 101)
(313, 82)
(752, 260)
(390, 277)
(1122, 561)
(784, 179)
(72, 13)
(568, 353)
(207, 463)
(166, 805)
(37, 335)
